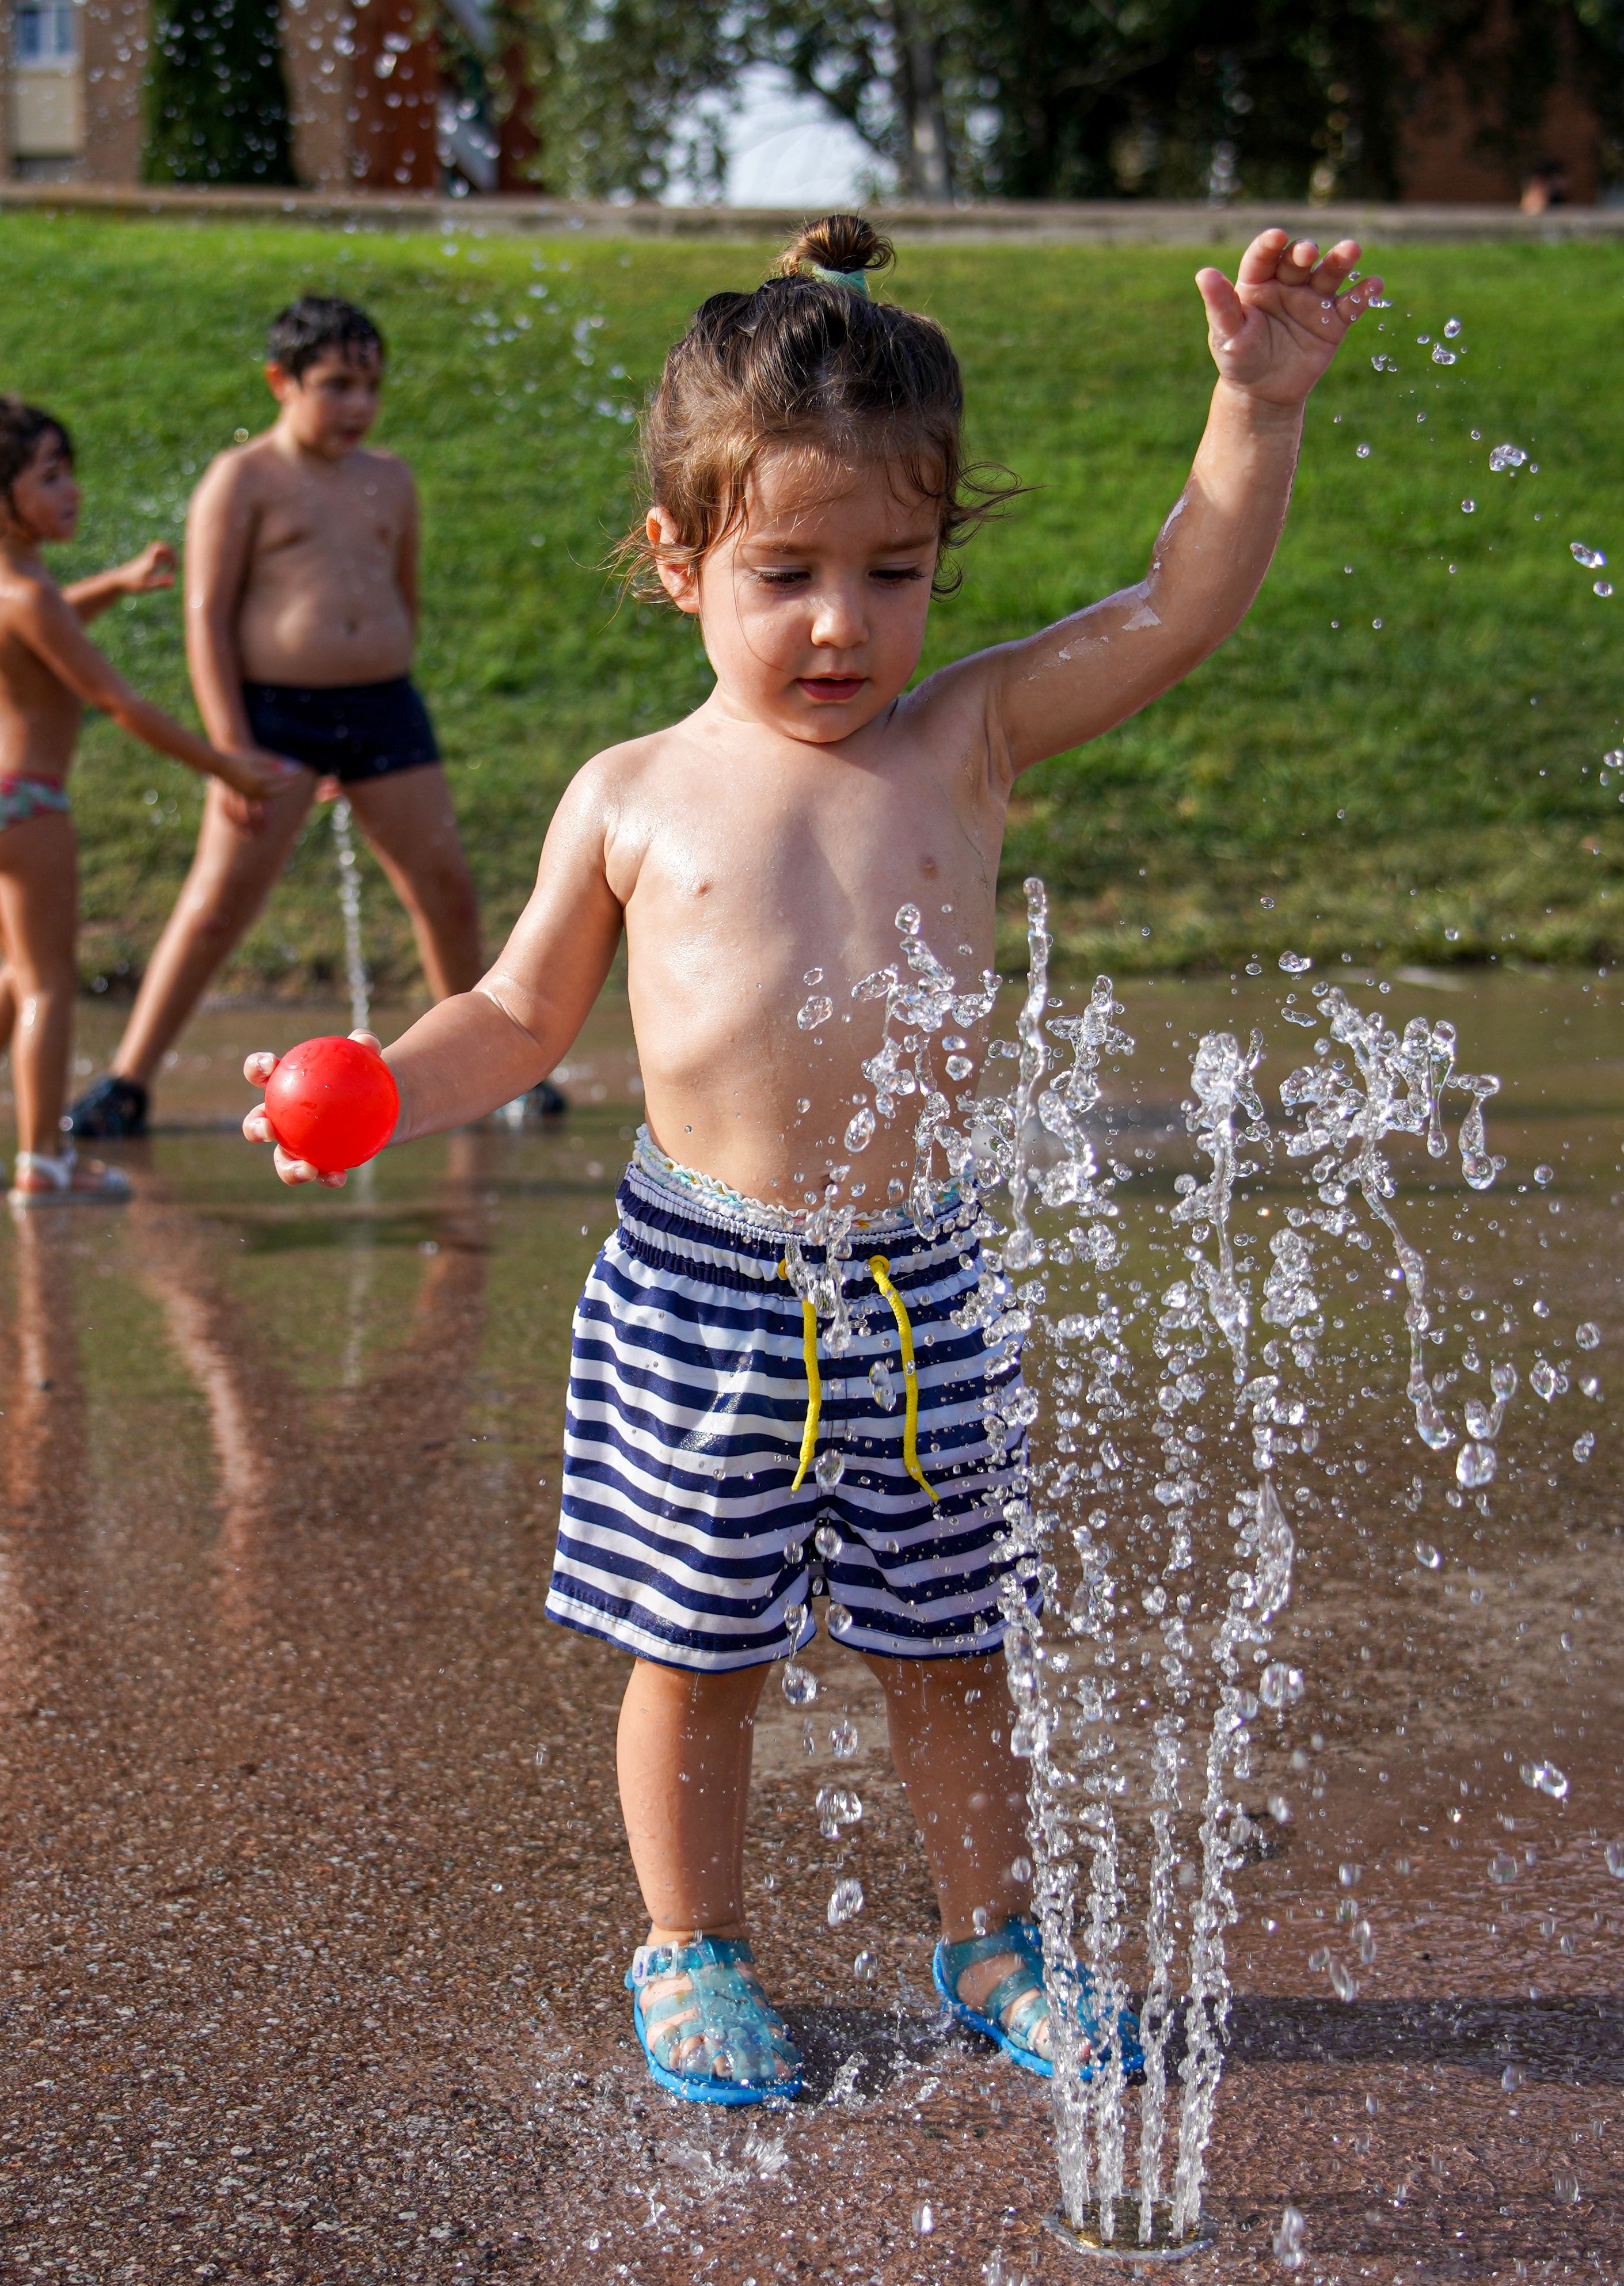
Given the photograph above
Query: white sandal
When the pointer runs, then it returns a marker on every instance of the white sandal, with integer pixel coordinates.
(69, 1185)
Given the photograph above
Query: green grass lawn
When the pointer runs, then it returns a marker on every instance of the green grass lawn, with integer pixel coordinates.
(1399, 754)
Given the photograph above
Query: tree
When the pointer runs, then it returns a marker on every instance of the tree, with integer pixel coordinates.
(216, 100)
(1066, 98)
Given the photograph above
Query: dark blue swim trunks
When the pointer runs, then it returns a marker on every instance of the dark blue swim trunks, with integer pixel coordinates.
(349, 731)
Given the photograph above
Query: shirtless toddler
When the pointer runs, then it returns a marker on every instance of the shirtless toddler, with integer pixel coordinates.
(301, 620)
(50, 673)
(727, 1457)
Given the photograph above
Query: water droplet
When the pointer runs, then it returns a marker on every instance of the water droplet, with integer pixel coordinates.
(837, 1806)
(864, 1967)
(1503, 1866)
(1603, 588)
(830, 1469)
(1544, 1380)
(843, 1739)
(1469, 508)
(1288, 2240)
(1361, 452)
(1591, 558)
(882, 1385)
(1280, 1809)
(1452, 329)
(1547, 1777)
(1345, 1984)
(907, 920)
(1615, 1859)
(800, 1685)
(1441, 356)
(959, 1067)
(1296, 963)
(813, 976)
(1566, 2185)
(541, 1755)
(817, 1011)
(1425, 1553)
(840, 1620)
(860, 1129)
(1512, 2079)
(1474, 1465)
(1507, 456)
(1583, 1446)
(1588, 1337)
(1348, 1875)
(845, 1902)
(1281, 1685)
(924, 2218)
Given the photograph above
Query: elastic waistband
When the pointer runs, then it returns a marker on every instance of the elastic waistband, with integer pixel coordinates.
(324, 694)
(696, 1223)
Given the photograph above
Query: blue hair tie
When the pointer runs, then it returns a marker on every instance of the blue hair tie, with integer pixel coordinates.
(858, 280)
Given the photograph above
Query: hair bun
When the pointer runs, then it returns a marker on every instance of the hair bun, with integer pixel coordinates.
(840, 242)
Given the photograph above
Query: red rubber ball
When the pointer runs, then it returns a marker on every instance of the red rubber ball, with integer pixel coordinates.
(333, 1102)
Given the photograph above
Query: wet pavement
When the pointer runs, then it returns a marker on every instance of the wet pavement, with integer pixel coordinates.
(315, 1906)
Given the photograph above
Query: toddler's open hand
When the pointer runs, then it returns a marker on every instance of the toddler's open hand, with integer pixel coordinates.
(1276, 328)
(153, 567)
(256, 1069)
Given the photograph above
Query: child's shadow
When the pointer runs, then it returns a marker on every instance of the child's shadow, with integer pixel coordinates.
(848, 2054)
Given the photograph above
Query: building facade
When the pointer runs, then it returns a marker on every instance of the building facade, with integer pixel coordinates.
(382, 98)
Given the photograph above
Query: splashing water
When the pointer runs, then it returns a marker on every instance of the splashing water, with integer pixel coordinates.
(349, 903)
(1076, 1526)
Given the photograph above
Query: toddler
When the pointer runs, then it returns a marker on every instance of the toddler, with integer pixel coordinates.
(49, 672)
(728, 1456)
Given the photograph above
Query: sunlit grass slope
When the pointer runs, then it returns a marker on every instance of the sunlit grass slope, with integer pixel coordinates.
(1399, 753)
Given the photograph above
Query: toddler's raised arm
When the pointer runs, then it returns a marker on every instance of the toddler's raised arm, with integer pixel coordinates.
(1272, 332)
(481, 1048)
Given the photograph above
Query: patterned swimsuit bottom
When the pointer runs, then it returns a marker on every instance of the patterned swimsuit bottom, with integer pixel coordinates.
(721, 1466)
(22, 799)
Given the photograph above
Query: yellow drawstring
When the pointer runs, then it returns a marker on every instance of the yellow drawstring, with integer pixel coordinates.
(815, 1385)
(881, 1270)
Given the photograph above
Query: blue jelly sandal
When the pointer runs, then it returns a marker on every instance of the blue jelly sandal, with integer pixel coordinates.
(726, 2008)
(1016, 2007)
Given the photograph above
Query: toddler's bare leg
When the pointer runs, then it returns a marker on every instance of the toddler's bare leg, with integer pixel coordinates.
(683, 1753)
(968, 1792)
(39, 893)
(233, 872)
(412, 830)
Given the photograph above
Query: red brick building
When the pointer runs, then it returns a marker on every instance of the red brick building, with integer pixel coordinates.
(378, 98)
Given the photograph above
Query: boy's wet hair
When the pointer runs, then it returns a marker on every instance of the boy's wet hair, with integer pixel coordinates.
(21, 427)
(810, 359)
(318, 324)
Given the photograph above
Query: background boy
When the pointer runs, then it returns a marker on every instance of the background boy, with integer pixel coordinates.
(301, 620)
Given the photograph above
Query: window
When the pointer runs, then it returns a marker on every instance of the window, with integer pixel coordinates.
(46, 33)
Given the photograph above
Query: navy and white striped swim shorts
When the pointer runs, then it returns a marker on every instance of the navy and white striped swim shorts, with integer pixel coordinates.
(681, 1538)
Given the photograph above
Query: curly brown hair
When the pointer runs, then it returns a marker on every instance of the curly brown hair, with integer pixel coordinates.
(808, 358)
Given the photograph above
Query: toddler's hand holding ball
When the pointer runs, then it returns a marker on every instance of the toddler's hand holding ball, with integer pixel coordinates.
(330, 1104)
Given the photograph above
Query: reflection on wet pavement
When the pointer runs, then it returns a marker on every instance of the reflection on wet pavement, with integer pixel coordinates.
(315, 1903)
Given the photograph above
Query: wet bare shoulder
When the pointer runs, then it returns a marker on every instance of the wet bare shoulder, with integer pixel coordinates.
(949, 717)
(387, 470)
(28, 595)
(622, 788)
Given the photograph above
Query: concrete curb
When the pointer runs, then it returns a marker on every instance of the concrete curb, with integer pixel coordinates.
(1106, 222)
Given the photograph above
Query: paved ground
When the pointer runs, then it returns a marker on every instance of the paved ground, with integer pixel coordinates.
(315, 1906)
